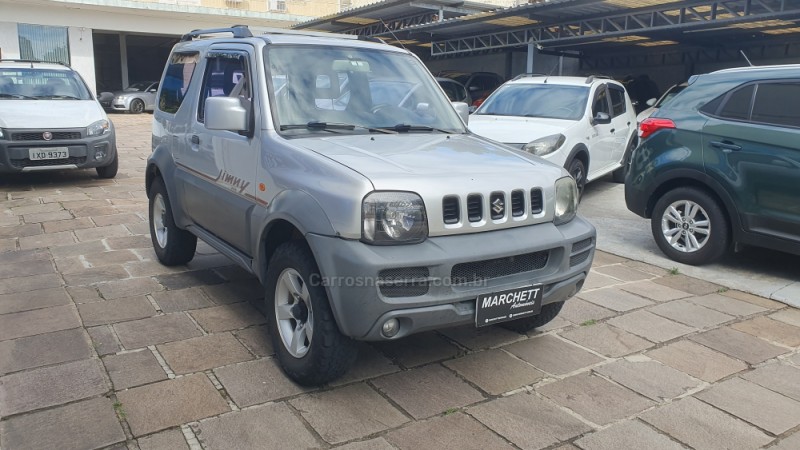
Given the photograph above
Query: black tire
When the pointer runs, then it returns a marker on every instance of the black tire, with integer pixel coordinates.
(619, 175)
(577, 170)
(548, 313)
(109, 171)
(137, 106)
(716, 238)
(328, 354)
(177, 246)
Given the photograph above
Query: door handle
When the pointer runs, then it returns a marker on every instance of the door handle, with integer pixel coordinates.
(195, 140)
(726, 146)
(613, 130)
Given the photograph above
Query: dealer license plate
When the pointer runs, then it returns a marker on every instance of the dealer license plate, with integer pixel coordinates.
(508, 305)
(38, 154)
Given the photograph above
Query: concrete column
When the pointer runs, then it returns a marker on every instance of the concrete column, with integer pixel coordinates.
(123, 59)
(529, 64)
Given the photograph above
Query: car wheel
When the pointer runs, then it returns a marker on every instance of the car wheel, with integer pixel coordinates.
(690, 226)
(173, 246)
(578, 171)
(548, 313)
(109, 171)
(304, 333)
(619, 175)
(137, 106)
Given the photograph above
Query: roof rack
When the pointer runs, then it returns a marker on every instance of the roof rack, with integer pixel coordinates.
(33, 61)
(528, 75)
(591, 78)
(238, 31)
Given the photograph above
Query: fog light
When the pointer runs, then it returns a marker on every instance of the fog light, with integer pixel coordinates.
(390, 327)
(99, 154)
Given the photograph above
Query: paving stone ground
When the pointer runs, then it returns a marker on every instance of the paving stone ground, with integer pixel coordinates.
(103, 347)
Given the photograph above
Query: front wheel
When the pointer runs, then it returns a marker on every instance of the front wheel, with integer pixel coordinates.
(547, 314)
(304, 333)
(173, 246)
(137, 106)
(690, 227)
(577, 170)
(109, 171)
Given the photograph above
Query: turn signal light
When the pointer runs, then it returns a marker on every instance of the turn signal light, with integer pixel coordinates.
(652, 124)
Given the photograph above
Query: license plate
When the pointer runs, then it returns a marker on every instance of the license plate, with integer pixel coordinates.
(38, 154)
(508, 305)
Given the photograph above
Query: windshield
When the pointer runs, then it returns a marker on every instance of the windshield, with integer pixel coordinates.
(36, 84)
(357, 90)
(671, 93)
(537, 100)
(138, 87)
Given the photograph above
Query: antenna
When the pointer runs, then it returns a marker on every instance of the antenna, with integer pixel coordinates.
(746, 58)
(551, 72)
(393, 35)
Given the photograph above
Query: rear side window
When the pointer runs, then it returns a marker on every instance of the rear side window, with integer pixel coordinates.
(617, 101)
(776, 104)
(738, 104)
(180, 70)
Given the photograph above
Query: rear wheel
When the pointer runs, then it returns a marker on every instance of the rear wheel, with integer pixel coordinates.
(137, 106)
(690, 226)
(577, 170)
(173, 246)
(547, 314)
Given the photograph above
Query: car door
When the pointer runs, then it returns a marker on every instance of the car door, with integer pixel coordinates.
(621, 123)
(600, 136)
(751, 145)
(220, 198)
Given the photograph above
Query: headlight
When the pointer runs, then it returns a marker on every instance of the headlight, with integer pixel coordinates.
(393, 218)
(121, 98)
(98, 128)
(566, 200)
(1, 134)
(546, 145)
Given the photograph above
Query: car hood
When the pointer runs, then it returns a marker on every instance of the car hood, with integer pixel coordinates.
(53, 114)
(394, 161)
(517, 130)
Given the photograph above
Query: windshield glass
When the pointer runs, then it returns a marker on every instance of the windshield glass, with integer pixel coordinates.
(364, 89)
(35, 84)
(537, 100)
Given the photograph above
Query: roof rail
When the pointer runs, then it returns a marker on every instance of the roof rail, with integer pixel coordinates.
(528, 75)
(591, 78)
(238, 31)
(33, 61)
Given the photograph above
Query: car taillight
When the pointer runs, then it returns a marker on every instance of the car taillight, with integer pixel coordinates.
(652, 124)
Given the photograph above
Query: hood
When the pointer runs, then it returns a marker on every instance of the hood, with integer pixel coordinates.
(21, 114)
(517, 130)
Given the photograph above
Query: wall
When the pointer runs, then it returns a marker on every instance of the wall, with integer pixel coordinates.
(9, 40)
(495, 62)
(81, 53)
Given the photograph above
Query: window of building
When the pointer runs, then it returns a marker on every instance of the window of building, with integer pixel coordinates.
(776, 104)
(345, 4)
(617, 100)
(43, 43)
(176, 81)
(277, 5)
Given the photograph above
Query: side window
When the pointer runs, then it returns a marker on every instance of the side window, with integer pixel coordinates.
(617, 101)
(180, 70)
(225, 76)
(776, 104)
(738, 104)
(600, 102)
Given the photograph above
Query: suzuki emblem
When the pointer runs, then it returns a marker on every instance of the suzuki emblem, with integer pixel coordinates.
(498, 206)
(47, 135)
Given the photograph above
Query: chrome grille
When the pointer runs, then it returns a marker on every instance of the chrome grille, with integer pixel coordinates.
(451, 210)
(472, 272)
(537, 203)
(517, 203)
(474, 207)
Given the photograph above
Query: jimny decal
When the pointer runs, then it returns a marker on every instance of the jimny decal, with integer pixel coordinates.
(233, 182)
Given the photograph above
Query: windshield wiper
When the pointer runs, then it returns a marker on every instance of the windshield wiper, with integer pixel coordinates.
(405, 128)
(329, 126)
(60, 97)
(26, 97)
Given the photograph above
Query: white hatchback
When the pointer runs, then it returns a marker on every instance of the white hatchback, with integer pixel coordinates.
(587, 125)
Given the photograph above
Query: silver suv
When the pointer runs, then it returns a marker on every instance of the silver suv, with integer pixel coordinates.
(335, 170)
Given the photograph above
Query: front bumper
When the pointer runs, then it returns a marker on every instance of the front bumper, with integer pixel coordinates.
(353, 274)
(82, 150)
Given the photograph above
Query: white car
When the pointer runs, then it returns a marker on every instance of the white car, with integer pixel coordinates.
(586, 125)
(654, 104)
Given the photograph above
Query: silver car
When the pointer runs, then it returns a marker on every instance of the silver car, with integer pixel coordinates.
(136, 98)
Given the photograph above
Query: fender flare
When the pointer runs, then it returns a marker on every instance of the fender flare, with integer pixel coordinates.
(578, 148)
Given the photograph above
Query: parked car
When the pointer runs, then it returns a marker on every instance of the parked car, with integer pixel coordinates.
(454, 90)
(135, 99)
(655, 103)
(586, 125)
(49, 120)
(478, 84)
(719, 165)
(370, 221)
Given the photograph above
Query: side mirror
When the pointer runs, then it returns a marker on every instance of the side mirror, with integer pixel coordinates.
(601, 119)
(651, 102)
(225, 113)
(463, 110)
(154, 90)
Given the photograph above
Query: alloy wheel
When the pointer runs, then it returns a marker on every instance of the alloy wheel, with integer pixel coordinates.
(686, 226)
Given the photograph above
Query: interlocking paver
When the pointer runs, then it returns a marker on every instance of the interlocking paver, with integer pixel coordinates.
(38, 321)
(479, 338)
(25, 301)
(602, 258)
(791, 442)
(696, 360)
(27, 229)
(624, 273)
(228, 317)
(607, 340)
(614, 298)
(27, 284)
(156, 330)
(104, 340)
(788, 315)
(128, 288)
(377, 443)
(691, 314)
(649, 378)
(629, 435)
(512, 417)
(81, 248)
(739, 345)
(133, 369)
(185, 280)
(110, 257)
(46, 216)
(703, 426)
(164, 440)
(594, 398)
(578, 311)
(654, 291)
(203, 353)
(181, 300)
(255, 382)
(427, 391)
(67, 225)
(419, 349)
(112, 311)
(510, 373)
(370, 364)
(44, 349)
(256, 339)
(650, 326)
(50, 386)
(260, 428)
(234, 291)
(771, 330)
(87, 424)
(597, 280)
(455, 431)
(760, 406)
(781, 378)
(349, 412)
(116, 219)
(26, 255)
(694, 286)
(553, 355)
(95, 275)
(727, 305)
(39, 267)
(165, 404)
(754, 299)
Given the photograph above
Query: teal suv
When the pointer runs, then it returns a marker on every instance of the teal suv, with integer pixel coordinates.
(719, 165)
